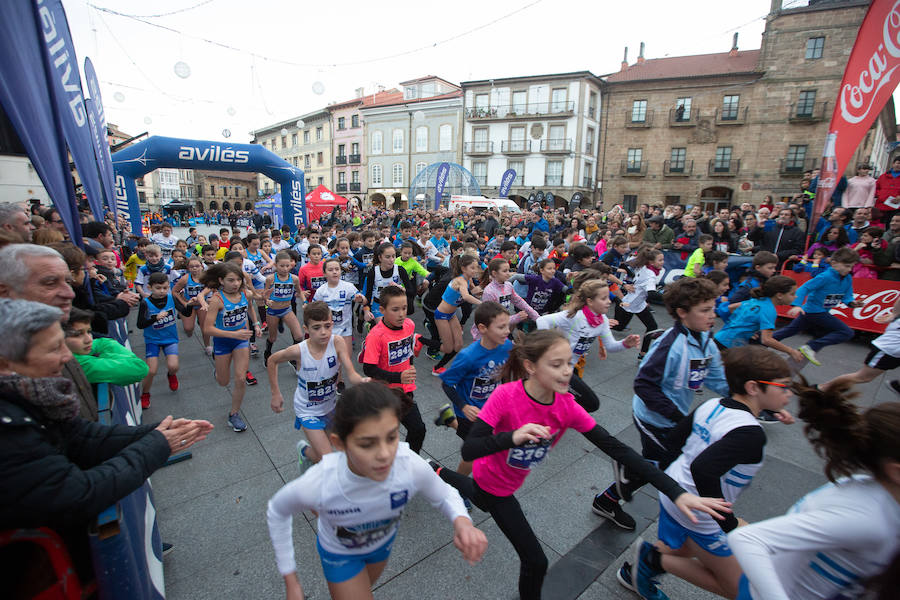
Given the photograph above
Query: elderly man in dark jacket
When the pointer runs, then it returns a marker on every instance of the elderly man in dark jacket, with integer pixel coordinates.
(785, 240)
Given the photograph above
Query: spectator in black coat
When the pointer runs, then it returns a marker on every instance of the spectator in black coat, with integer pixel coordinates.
(59, 470)
(785, 239)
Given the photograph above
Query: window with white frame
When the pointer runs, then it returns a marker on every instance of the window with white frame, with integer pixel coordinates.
(318, 133)
(519, 102)
(446, 138)
(397, 174)
(342, 177)
(397, 141)
(420, 166)
(554, 172)
(479, 170)
(589, 141)
(639, 111)
(519, 167)
(377, 142)
(422, 139)
(683, 109)
(558, 100)
(354, 177)
(377, 174)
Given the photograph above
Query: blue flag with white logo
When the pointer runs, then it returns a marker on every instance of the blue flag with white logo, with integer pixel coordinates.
(506, 182)
(440, 181)
(97, 118)
(25, 93)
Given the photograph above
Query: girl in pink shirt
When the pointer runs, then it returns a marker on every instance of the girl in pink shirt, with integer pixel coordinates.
(515, 431)
(498, 289)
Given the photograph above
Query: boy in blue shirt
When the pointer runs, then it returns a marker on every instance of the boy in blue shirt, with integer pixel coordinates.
(816, 298)
(677, 366)
(475, 372)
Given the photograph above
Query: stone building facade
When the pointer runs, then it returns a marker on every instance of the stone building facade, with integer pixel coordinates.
(224, 190)
(303, 141)
(722, 129)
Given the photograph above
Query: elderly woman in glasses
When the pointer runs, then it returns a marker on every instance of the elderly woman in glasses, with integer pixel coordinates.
(59, 470)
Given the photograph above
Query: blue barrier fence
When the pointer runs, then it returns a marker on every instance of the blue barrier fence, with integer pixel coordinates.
(125, 545)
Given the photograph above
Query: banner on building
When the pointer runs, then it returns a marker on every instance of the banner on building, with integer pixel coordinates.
(440, 181)
(869, 80)
(506, 182)
(25, 92)
(97, 116)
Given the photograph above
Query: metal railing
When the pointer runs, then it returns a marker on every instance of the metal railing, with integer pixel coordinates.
(731, 116)
(341, 187)
(516, 147)
(808, 112)
(681, 168)
(724, 168)
(587, 182)
(355, 186)
(553, 179)
(340, 159)
(631, 121)
(687, 118)
(792, 167)
(480, 147)
(551, 145)
(353, 159)
(480, 179)
(632, 168)
(508, 111)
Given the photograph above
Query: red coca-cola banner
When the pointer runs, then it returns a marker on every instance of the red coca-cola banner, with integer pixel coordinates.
(877, 296)
(867, 84)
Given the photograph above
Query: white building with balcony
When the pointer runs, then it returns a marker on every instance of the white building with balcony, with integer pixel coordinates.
(545, 127)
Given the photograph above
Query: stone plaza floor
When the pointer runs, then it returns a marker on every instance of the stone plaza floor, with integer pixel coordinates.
(212, 507)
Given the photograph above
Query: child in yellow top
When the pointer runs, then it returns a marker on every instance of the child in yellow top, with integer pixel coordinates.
(695, 263)
(136, 260)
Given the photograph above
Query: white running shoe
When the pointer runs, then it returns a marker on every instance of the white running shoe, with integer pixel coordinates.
(809, 354)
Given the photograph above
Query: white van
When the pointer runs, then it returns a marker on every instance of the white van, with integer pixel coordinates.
(482, 203)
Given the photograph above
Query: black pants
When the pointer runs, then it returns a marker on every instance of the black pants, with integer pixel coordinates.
(508, 515)
(624, 318)
(415, 428)
(430, 325)
(584, 395)
(654, 448)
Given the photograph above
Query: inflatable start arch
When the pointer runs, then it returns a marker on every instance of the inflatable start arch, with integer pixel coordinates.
(172, 153)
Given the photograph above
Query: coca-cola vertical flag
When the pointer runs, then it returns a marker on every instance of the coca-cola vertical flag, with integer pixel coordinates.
(68, 98)
(25, 94)
(869, 80)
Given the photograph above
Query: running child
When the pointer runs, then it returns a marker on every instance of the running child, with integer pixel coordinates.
(515, 431)
(137, 260)
(884, 356)
(679, 363)
(475, 372)
(413, 267)
(694, 267)
(154, 264)
(387, 356)
(366, 253)
(583, 321)
(755, 318)
(541, 286)
(763, 266)
(281, 289)
(359, 493)
(496, 288)
(312, 277)
(838, 537)
(648, 271)
(437, 248)
(319, 360)
(339, 295)
(715, 260)
(813, 304)
(383, 273)
(229, 327)
(156, 316)
(350, 267)
(186, 289)
(723, 284)
(722, 447)
(463, 269)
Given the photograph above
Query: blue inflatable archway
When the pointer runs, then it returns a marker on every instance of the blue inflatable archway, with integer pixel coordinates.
(172, 153)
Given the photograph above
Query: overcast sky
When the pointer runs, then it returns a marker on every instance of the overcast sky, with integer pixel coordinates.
(337, 47)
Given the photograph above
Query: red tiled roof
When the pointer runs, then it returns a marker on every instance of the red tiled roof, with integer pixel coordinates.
(398, 99)
(386, 97)
(699, 65)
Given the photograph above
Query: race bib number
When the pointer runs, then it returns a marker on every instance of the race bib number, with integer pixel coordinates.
(400, 351)
(482, 388)
(165, 321)
(318, 392)
(316, 282)
(832, 300)
(234, 317)
(365, 534)
(539, 300)
(531, 454)
(699, 369)
(505, 302)
(583, 345)
(337, 316)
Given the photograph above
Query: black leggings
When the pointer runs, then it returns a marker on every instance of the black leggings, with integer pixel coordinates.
(415, 428)
(624, 318)
(508, 515)
(584, 395)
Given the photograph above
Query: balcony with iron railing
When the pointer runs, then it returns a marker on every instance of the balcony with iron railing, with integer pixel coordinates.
(795, 167)
(630, 168)
(516, 147)
(353, 159)
(808, 112)
(556, 145)
(553, 180)
(355, 186)
(480, 179)
(587, 182)
(686, 118)
(637, 120)
(591, 112)
(341, 187)
(678, 168)
(479, 148)
(340, 159)
(522, 111)
(724, 168)
(731, 115)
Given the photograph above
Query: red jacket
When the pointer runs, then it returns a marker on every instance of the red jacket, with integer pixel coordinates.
(885, 187)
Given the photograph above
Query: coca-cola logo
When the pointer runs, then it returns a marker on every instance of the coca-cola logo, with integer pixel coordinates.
(878, 304)
(857, 100)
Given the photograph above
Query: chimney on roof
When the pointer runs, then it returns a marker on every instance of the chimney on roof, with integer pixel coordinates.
(360, 92)
(640, 58)
(734, 46)
(625, 59)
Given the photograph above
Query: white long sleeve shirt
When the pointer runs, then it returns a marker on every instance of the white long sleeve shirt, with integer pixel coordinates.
(580, 333)
(825, 547)
(357, 515)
